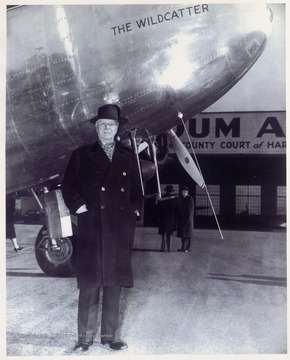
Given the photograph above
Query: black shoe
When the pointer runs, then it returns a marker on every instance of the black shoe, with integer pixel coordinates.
(187, 250)
(115, 344)
(18, 249)
(181, 249)
(82, 346)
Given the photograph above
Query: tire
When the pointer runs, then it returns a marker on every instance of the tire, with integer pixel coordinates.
(55, 262)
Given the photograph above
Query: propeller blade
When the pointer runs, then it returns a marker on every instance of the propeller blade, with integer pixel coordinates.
(185, 159)
(144, 145)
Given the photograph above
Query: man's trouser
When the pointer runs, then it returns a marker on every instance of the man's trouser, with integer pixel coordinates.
(186, 241)
(88, 313)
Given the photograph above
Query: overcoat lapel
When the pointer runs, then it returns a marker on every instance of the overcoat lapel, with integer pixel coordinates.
(99, 157)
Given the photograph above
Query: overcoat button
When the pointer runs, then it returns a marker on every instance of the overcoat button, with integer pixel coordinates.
(122, 189)
(103, 207)
(103, 189)
(124, 174)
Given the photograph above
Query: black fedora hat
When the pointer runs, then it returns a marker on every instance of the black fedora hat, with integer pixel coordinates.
(185, 188)
(110, 112)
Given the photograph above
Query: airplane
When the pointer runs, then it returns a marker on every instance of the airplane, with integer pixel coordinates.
(159, 63)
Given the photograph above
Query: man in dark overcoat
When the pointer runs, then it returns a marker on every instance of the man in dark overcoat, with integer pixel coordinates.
(102, 187)
(167, 212)
(185, 219)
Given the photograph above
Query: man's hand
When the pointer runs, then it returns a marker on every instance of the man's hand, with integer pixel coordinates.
(157, 198)
(138, 217)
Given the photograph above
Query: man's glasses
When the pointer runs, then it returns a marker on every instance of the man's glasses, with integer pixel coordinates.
(109, 125)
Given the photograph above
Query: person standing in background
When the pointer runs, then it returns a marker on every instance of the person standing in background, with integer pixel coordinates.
(10, 227)
(185, 219)
(167, 212)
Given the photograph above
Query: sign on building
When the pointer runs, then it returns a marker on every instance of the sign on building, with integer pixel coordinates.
(236, 133)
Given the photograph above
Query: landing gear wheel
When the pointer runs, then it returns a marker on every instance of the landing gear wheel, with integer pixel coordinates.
(56, 259)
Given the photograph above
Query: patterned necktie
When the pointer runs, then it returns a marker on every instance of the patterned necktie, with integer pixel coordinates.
(109, 149)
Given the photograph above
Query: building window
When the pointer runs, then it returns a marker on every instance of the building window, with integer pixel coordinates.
(202, 203)
(281, 200)
(248, 200)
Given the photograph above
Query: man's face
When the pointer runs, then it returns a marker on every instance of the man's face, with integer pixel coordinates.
(184, 193)
(106, 129)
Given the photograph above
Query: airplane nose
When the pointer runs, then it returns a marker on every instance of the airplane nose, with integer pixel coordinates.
(219, 58)
(244, 37)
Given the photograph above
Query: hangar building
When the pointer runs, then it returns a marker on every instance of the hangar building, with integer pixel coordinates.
(242, 156)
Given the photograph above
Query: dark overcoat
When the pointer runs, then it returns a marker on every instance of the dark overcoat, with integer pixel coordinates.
(185, 220)
(10, 209)
(167, 213)
(105, 233)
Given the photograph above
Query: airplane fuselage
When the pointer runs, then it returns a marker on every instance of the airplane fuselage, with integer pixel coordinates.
(63, 62)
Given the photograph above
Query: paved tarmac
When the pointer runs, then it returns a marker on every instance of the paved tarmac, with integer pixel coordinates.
(224, 297)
